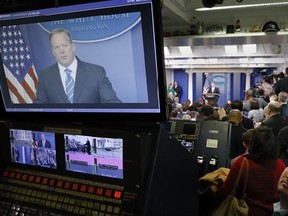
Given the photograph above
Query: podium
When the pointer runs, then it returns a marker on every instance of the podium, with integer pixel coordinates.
(212, 98)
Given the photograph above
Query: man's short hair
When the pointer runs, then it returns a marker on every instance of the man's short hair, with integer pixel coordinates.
(250, 92)
(247, 136)
(60, 30)
(254, 104)
(207, 110)
(282, 97)
(274, 106)
(237, 104)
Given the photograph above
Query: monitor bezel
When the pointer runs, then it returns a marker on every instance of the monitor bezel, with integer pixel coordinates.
(123, 115)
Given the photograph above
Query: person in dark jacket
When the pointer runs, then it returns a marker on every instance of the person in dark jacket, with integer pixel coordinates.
(273, 118)
(246, 122)
(282, 84)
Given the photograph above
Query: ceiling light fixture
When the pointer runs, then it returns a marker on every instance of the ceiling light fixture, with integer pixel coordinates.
(166, 51)
(243, 6)
(249, 48)
(185, 50)
(231, 49)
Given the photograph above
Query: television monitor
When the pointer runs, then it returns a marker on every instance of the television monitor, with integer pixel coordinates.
(101, 156)
(189, 128)
(186, 129)
(119, 72)
(33, 148)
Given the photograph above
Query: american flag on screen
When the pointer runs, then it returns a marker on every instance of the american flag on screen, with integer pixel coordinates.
(21, 76)
(206, 84)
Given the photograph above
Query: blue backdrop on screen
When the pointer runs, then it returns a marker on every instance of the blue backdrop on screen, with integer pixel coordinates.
(121, 54)
(105, 26)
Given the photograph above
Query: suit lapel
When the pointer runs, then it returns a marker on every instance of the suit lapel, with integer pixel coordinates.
(57, 83)
(80, 80)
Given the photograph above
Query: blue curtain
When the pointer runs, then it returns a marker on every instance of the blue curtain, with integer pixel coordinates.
(231, 85)
(182, 79)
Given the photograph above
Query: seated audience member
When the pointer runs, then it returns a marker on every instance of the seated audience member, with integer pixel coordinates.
(193, 107)
(199, 103)
(256, 113)
(182, 111)
(237, 131)
(175, 102)
(207, 113)
(193, 112)
(249, 95)
(281, 207)
(265, 169)
(273, 118)
(261, 95)
(227, 106)
(283, 141)
(273, 97)
(222, 116)
(186, 117)
(282, 83)
(174, 114)
(246, 122)
(235, 117)
(187, 102)
(282, 99)
(179, 110)
(170, 98)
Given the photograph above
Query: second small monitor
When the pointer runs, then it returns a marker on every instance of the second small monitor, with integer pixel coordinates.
(102, 156)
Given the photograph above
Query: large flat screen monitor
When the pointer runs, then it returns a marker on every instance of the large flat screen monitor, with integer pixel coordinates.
(95, 58)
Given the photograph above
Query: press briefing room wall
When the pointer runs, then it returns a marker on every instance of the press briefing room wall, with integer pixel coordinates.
(90, 159)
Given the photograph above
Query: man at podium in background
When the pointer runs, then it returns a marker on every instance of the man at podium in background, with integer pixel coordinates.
(215, 90)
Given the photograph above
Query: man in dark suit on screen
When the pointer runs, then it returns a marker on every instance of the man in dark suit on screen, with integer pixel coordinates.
(44, 142)
(71, 80)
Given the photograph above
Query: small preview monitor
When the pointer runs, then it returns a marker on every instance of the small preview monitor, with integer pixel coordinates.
(100, 156)
(189, 128)
(35, 148)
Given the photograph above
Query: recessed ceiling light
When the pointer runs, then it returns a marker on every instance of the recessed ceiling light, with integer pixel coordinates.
(249, 48)
(166, 51)
(231, 49)
(185, 50)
